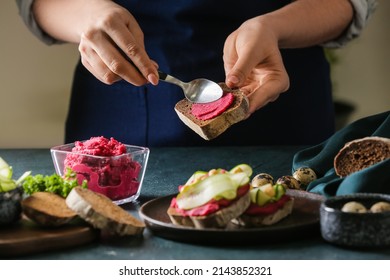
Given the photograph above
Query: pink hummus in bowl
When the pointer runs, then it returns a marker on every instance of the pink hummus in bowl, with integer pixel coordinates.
(109, 167)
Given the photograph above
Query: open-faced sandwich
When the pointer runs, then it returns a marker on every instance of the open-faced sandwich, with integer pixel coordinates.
(269, 204)
(210, 120)
(212, 199)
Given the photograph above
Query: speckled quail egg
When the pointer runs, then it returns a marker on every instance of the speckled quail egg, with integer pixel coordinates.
(354, 207)
(262, 179)
(289, 182)
(380, 207)
(305, 175)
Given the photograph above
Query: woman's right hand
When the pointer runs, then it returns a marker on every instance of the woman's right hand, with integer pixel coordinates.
(108, 34)
(111, 42)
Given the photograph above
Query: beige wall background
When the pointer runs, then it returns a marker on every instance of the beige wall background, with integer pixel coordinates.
(35, 79)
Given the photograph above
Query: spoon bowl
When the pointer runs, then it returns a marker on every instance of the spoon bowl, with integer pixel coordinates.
(196, 91)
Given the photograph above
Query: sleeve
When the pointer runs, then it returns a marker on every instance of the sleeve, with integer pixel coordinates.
(25, 11)
(363, 9)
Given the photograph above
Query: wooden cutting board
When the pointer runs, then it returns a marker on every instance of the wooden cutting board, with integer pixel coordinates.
(26, 237)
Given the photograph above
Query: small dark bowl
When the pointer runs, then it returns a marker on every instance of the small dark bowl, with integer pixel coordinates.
(355, 229)
(10, 207)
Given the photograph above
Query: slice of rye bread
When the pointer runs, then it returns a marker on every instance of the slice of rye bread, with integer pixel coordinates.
(219, 219)
(360, 154)
(210, 129)
(102, 213)
(266, 219)
(47, 209)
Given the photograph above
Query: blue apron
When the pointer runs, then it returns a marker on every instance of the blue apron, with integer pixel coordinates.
(186, 39)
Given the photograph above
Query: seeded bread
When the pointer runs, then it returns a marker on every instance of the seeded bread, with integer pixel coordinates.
(219, 219)
(47, 209)
(266, 219)
(210, 129)
(102, 213)
(361, 153)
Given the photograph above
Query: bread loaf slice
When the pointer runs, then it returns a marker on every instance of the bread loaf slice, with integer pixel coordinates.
(361, 153)
(102, 213)
(47, 209)
(219, 219)
(266, 219)
(210, 129)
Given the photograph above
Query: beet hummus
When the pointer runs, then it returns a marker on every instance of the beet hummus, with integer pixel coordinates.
(207, 111)
(106, 166)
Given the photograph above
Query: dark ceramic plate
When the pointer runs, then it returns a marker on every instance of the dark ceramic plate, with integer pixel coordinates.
(303, 222)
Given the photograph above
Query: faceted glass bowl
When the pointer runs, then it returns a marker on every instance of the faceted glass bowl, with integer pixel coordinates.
(120, 177)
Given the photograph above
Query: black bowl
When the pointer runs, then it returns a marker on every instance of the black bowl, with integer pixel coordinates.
(10, 207)
(355, 229)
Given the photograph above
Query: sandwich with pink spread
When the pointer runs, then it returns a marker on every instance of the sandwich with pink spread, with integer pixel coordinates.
(209, 120)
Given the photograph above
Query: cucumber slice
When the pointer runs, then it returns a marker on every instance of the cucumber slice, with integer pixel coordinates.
(261, 197)
(268, 189)
(20, 180)
(242, 168)
(5, 169)
(196, 176)
(217, 186)
(6, 181)
(6, 184)
(267, 193)
(279, 191)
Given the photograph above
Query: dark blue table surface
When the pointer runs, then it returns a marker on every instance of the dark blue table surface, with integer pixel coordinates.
(170, 167)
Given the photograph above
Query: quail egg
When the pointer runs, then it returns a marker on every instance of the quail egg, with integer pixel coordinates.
(354, 207)
(289, 182)
(305, 175)
(262, 179)
(380, 207)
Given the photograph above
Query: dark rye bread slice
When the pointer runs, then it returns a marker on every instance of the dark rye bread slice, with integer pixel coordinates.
(102, 213)
(47, 209)
(219, 219)
(266, 219)
(360, 154)
(210, 129)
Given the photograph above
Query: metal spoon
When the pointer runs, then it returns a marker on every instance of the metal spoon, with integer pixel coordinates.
(198, 90)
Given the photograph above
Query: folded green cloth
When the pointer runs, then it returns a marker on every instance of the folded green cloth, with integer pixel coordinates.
(375, 179)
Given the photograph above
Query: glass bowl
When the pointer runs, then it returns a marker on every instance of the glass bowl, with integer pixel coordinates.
(117, 177)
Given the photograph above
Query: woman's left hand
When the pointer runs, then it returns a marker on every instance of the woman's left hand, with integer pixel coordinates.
(253, 63)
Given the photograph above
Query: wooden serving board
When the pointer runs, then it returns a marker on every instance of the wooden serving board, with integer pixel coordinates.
(25, 237)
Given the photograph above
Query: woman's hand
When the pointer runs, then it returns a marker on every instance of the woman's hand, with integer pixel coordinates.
(111, 42)
(251, 53)
(110, 39)
(253, 63)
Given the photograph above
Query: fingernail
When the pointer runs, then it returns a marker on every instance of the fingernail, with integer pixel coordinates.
(234, 79)
(153, 79)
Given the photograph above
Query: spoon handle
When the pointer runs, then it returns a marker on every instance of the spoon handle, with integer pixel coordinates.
(162, 75)
(170, 79)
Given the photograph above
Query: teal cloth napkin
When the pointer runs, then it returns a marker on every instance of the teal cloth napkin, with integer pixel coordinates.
(375, 179)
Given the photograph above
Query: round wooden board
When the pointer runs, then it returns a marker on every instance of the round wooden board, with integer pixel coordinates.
(25, 237)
